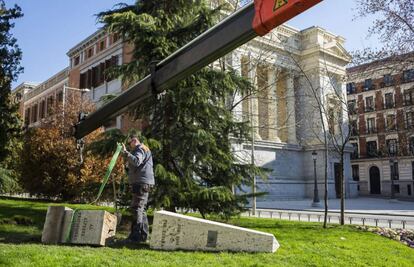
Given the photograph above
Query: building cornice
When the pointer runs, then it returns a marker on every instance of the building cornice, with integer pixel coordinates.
(91, 39)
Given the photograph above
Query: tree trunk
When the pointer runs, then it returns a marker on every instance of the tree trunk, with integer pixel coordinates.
(342, 192)
(325, 218)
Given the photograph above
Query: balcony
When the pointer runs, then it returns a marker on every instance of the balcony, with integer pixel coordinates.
(408, 102)
(354, 132)
(389, 105)
(352, 111)
(369, 109)
(372, 153)
(386, 84)
(369, 87)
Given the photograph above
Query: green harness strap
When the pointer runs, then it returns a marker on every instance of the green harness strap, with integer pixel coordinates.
(104, 181)
(108, 172)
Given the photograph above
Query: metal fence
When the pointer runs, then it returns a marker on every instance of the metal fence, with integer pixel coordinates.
(379, 220)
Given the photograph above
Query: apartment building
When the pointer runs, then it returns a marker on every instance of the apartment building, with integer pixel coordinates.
(39, 100)
(381, 111)
(86, 74)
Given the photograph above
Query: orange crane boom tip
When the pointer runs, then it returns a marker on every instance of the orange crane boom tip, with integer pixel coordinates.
(272, 13)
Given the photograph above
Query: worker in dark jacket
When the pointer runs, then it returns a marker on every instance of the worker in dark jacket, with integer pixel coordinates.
(141, 180)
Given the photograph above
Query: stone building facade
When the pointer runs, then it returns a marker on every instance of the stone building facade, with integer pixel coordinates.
(285, 66)
(381, 102)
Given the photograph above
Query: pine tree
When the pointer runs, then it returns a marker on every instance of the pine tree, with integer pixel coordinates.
(190, 124)
(10, 125)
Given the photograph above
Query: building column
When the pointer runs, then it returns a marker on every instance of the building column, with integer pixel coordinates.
(253, 102)
(235, 62)
(291, 109)
(273, 118)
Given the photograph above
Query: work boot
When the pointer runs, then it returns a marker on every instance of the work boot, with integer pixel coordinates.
(137, 234)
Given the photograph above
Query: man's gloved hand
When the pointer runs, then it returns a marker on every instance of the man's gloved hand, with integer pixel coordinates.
(124, 150)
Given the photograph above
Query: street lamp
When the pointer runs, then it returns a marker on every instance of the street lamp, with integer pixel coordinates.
(315, 202)
(392, 169)
(80, 142)
(84, 90)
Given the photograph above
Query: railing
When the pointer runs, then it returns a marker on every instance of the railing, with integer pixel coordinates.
(377, 220)
(369, 109)
(389, 105)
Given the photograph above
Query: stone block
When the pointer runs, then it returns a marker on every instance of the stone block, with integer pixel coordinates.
(173, 231)
(52, 228)
(81, 227)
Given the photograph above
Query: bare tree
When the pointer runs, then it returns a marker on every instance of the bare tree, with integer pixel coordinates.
(394, 25)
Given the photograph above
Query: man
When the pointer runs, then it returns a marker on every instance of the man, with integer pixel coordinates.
(141, 179)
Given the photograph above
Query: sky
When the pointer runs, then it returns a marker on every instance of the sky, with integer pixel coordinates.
(50, 28)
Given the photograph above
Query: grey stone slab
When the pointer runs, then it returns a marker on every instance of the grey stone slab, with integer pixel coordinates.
(52, 228)
(172, 231)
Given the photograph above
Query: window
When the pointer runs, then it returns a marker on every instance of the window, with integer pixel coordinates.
(389, 100)
(388, 80)
(27, 117)
(368, 84)
(34, 113)
(90, 52)
(355, 172)
(96, 76)
(372, 148)
(408, 76)
(60, 97)
(76, 61)
(43, 109)
(350, 88)
(391, 122)
(353, 127)
(354, 154)
(352, 107)
(371, 126)
(101, 45)
(115, 38)
(369, 104)
(49, 105)
(409, 190)
(392, 147)
(409, 119)
(409, 97)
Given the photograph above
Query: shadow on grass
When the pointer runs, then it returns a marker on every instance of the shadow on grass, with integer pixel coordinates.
(16, 237)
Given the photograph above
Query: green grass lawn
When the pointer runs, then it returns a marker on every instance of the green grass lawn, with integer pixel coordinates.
(302, 244)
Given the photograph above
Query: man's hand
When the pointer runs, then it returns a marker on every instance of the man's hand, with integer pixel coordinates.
(124, 148)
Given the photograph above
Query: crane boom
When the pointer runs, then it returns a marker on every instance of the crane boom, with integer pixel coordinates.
(255, 19)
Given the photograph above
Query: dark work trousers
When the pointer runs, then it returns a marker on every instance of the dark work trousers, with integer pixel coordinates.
(139, 227)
